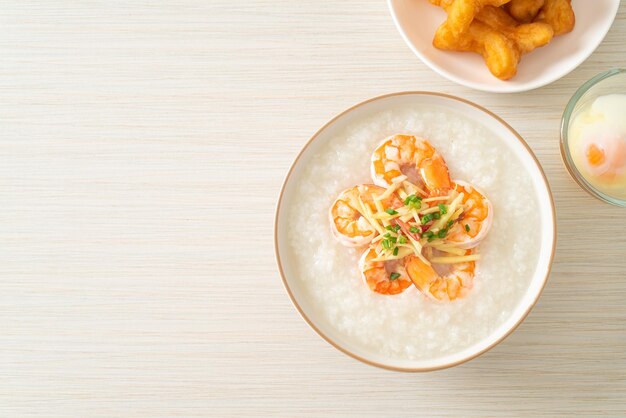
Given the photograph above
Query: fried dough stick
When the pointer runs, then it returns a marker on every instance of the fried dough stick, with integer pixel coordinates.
(558, 14)
(498, 51)
(461, 13)
(526, 37)
(524, 10)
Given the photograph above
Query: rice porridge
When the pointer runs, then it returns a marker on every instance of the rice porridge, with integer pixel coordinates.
(410, 325)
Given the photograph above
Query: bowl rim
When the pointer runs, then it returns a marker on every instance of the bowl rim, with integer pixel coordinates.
(347, 351)
(510, 88)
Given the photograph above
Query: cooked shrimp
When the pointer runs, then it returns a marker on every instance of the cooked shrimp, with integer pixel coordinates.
(384, 277)
(454, 283)
(348, 224)
(476, 219)
(414, 157)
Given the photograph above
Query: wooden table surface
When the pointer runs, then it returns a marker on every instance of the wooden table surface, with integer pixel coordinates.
(142, 148)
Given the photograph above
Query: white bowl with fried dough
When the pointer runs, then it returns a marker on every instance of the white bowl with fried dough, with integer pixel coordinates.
(417, 21)
(409, 331)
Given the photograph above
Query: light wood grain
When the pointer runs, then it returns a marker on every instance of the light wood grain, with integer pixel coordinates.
(142, 148)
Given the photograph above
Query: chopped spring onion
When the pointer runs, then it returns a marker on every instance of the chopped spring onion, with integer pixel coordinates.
(391, 211)
(388, 216)
(394, 276)
(395, 251)
(467, 228)
(443, 208)
(401, 240)
(442, 233)
(402, 252)
(414, 230)
(437, 215)
(393, 228)
(450, 212)
(413, 201)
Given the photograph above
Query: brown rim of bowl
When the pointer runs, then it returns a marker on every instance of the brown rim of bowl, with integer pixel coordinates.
(348, 352)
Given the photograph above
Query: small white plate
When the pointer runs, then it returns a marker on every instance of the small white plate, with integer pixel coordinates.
(417, 21)
(288, 265)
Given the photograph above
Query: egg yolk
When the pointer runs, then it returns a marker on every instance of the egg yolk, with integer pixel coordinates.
(595, 155)
(606, 156)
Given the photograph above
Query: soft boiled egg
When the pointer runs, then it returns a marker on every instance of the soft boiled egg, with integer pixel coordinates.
(598, 143)
(605, 152)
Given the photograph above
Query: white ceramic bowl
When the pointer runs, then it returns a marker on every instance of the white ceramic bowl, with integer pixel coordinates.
(509, 138)
(417, 21)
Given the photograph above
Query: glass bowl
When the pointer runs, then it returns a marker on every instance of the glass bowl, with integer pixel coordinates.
(608, 82)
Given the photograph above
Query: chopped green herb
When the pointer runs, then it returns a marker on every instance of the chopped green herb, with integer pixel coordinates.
(443, 208)
(436, 215)
(467, 228)
(389, 227)
(449, 224)
(401, 239)
(386, 244)
(387, 235)
(442, 233)
(395, 251)
(431, 238)
(414, 229)
(413, 201)
(391, 211)
(429, 234)
(427, 218)
(396, 228)
(394, 276)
